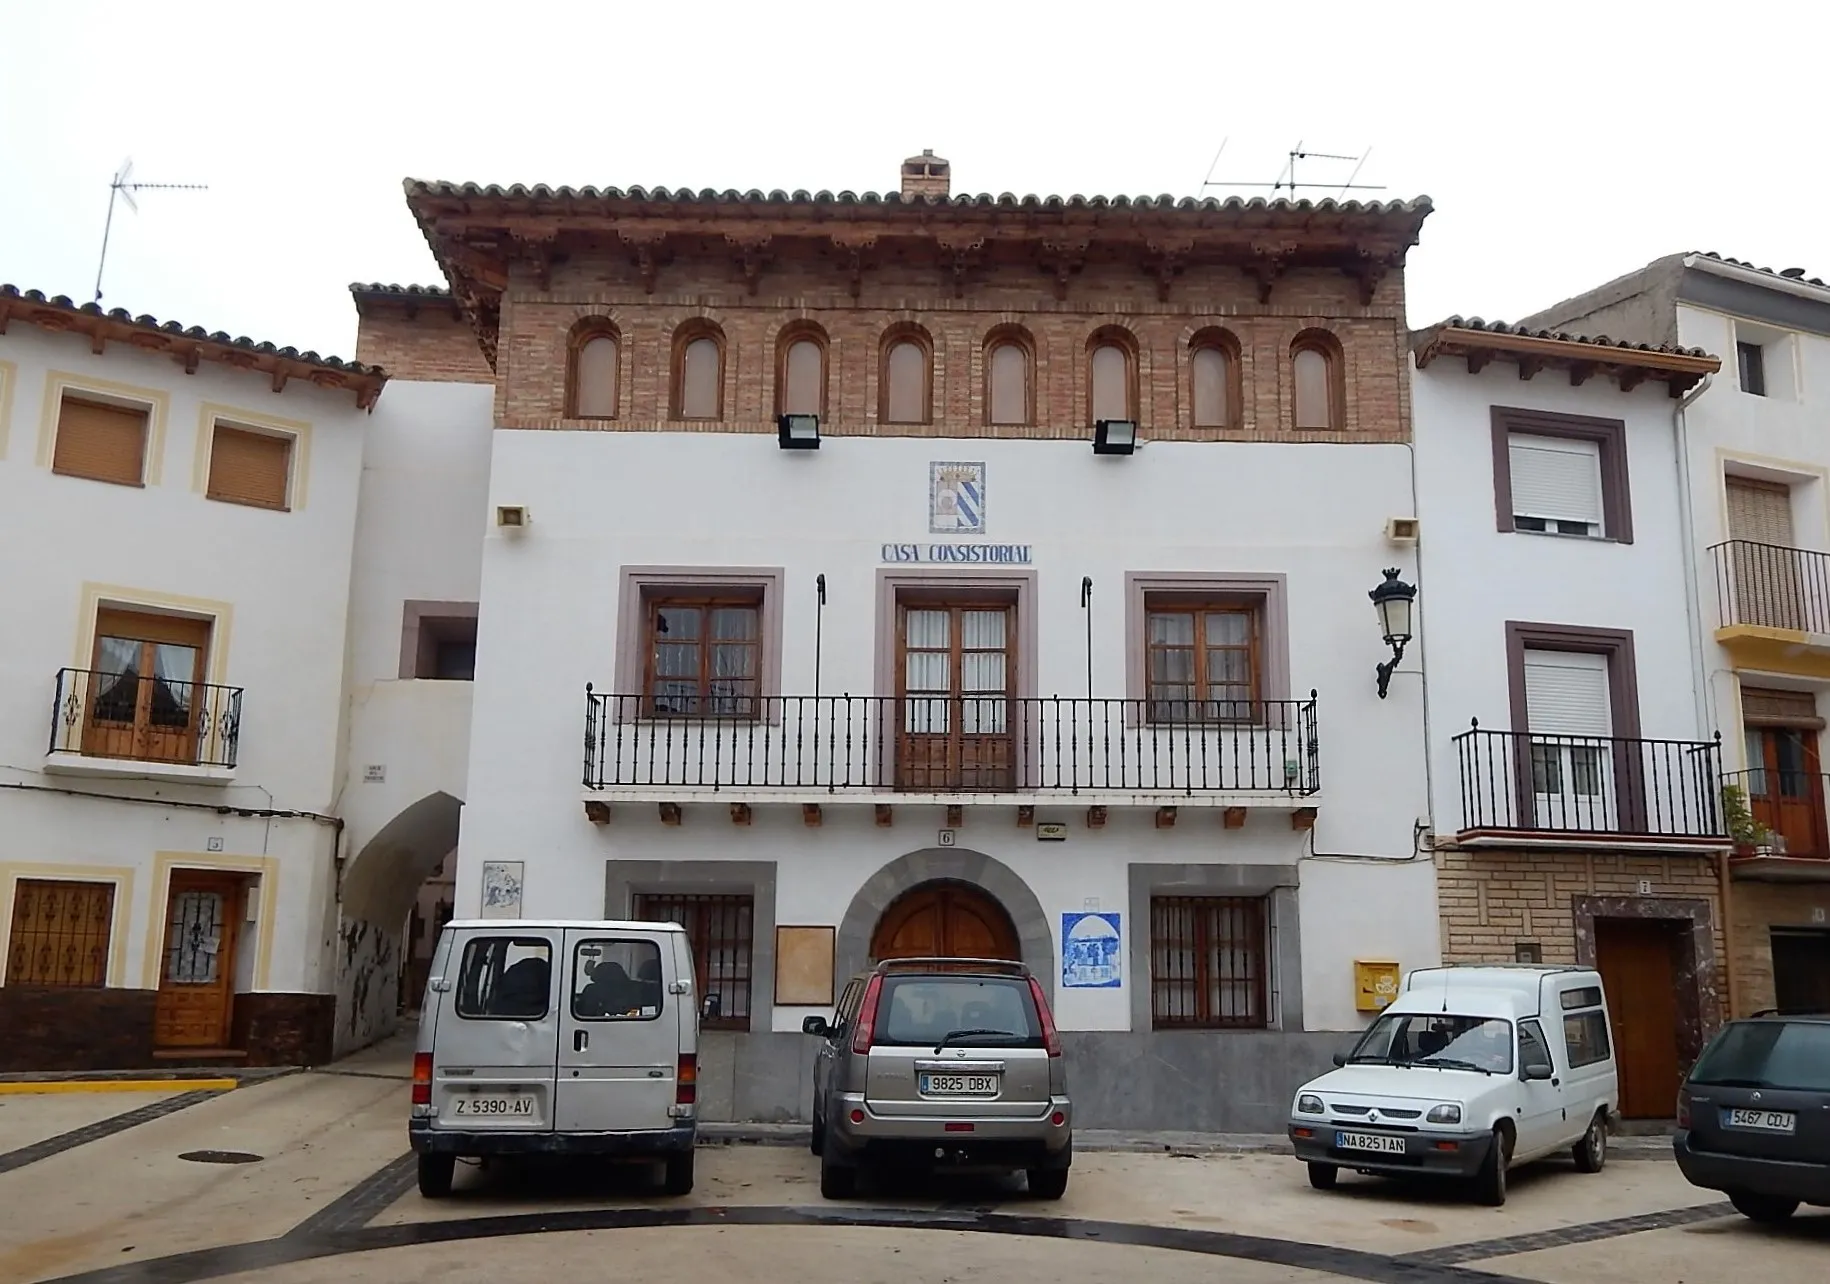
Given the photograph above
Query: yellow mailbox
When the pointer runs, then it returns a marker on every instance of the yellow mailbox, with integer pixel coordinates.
(1375, 984)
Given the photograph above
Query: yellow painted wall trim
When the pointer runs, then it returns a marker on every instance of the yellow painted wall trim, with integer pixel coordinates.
(22, 1087)
(120, 875)
(95, 596)
(1784, 651)
(9, 377)
(211, 413)
(266, 867)
(157, 401)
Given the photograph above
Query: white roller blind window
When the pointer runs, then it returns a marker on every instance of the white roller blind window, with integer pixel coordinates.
(1566, 694)
(1556, 479)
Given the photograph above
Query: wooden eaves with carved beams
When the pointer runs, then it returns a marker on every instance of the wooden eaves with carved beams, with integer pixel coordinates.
(485, 236)
(1580, 357)
(188, 346)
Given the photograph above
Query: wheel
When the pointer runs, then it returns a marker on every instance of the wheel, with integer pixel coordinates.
(1592, 1151)
(435, 1173)
(678, 1180)
(1323, 1176)
(1762, 1208)
(837, 1181)
(1490, 1182)
(816, 1140)
(1047, 1183)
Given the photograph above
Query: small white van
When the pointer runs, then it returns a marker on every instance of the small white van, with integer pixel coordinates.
(1470, 1070)
(552, 1037)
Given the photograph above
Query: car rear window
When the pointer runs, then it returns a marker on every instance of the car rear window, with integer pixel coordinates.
(1768, 1054)
(616, 981)
(505, 978)
(997, 1011)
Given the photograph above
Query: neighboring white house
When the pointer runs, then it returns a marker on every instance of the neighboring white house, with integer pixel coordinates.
(1757, 459)
(1574, 777)
(177, 517)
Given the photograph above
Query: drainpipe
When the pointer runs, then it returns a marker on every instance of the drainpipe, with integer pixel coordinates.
(1699, 674)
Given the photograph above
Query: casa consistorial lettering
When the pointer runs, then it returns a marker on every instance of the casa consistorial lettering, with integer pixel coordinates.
(975, 554)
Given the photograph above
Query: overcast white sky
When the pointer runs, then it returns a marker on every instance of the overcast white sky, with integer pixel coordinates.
(1563, 143)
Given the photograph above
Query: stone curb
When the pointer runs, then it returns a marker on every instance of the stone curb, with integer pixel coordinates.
(152, 1078)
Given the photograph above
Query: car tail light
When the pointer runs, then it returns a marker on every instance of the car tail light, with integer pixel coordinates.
(422, 1078)
(1683, 1108)
(686, 1080)
(1051, 1039)
(867, 1015)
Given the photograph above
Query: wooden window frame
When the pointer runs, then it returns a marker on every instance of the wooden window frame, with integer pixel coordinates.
(156, 401)
(1610, 435)
(701, 905)
(687, 333)
(1113, 336)
(653, 605)
(85, 396)
(1224, 341)
(1024, 342)
(94, 979)
(218, 423)
(1205, 909)
(905, 332)
(1329, 347)
(642, 586)
(1268, 594)
(582, 333)
(802, 332)
(1199, 609)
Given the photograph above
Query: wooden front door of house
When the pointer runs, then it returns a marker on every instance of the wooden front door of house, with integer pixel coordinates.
(1637, 959)
(1785, 790)
(1801, 970)
(955, 682)
(144, 687)
(197, 971)
(945, 920)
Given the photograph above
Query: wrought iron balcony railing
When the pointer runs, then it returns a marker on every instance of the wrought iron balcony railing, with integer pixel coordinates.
(1787, 808)
(1772, 586)
(952, 744)
(1591, 785)
(145, 718)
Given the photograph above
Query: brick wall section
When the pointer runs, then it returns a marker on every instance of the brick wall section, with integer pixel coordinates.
(1757, 909)
(536, 323)
(1491, 899)
(427, 345)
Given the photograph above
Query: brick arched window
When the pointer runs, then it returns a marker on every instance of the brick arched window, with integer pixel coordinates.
(1111, 375)
(906, 376)
(800, 370)
(1318, 397)
(594, 350)
(1010, 376)
(1214, 379)
(698, 371)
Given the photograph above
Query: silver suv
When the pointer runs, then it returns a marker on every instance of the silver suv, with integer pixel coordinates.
(937, 1062)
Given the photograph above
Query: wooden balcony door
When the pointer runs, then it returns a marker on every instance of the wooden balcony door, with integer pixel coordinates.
(197, 974)
(1785, 790)
(954, 709)
(145, 690)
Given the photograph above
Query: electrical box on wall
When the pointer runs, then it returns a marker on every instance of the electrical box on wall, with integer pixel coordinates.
(1401, 530)
(1375, 984)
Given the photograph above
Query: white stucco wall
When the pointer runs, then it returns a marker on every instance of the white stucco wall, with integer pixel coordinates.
(1475, 578)
(602, 501)
(281, 580)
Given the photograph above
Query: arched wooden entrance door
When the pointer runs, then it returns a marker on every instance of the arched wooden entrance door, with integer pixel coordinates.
(945, 920)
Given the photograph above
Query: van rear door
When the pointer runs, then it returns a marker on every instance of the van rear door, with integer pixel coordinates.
(620, 1035)
(496, 1040)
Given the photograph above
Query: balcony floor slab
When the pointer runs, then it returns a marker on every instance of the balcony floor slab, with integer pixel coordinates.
(63, 763)
(1526, 839)
(1213, 800)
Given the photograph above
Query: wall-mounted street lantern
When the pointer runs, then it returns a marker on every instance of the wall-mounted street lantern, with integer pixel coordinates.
(798, 432)
(1393, 600)
(1114, 437)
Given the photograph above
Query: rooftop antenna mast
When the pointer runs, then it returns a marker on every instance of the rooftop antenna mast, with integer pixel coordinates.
(123, 186)
(1286, 177)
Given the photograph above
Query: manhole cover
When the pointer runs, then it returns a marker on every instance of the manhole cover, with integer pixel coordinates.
(220, 1157)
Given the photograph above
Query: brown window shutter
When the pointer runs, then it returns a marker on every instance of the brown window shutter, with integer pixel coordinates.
(1769, 707)
(101, 442)
(249, 467)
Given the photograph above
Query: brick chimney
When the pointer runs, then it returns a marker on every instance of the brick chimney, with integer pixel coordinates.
(926, 175)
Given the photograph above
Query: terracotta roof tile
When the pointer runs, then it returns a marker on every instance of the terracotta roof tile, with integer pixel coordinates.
(377, 289)
(1600, 340)
(1790, 274)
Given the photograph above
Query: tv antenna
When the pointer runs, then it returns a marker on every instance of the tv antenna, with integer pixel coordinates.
(123, 186)
(1286, 177)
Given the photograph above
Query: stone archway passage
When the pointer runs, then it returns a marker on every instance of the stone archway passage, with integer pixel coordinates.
(945, 920)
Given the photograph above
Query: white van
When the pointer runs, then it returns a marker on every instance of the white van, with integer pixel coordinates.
(1469, 1071)
(555, 1037)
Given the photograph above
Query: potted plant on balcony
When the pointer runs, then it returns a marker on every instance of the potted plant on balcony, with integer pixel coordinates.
(1744, 831)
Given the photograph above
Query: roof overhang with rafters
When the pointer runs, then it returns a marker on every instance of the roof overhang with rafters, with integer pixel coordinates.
(189, 346)
(480, 234)
(1581, 357)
